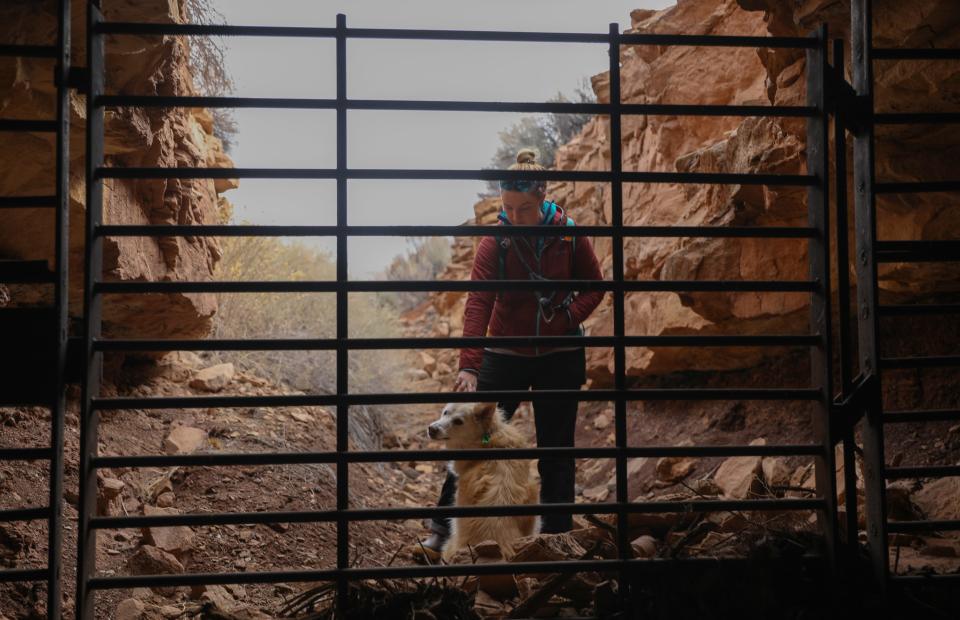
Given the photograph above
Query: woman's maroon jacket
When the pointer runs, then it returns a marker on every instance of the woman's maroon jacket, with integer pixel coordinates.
(514, 313)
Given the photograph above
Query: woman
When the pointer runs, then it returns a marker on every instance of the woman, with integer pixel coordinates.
(544, 312)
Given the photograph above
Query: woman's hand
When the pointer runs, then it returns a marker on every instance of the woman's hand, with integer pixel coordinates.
(466, 382)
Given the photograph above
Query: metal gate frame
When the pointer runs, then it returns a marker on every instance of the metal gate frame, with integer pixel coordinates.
(818, 286)
(59, 201)
(857, 113)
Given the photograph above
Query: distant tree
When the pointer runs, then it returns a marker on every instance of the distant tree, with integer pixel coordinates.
(209, 68)
(544, 132)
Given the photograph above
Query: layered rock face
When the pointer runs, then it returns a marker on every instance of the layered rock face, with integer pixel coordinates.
(133, 137)
(739, 76)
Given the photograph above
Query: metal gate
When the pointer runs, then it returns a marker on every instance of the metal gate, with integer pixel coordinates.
(817, 286)
(836, 415)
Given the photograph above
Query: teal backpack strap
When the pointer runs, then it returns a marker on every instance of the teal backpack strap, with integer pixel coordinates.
(573, 245)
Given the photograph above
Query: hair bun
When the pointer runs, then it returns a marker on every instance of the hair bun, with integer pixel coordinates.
(526, 156)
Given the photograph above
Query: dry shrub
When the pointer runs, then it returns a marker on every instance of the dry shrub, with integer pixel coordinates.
(425, 258)
(304, 315)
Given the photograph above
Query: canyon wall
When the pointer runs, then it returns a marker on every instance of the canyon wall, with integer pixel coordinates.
(133, 137)
(745, 76)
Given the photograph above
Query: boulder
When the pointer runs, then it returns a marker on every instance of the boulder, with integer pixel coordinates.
(214, 378)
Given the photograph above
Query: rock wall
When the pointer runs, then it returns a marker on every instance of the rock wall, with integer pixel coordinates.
(732, 76)
(133, 137)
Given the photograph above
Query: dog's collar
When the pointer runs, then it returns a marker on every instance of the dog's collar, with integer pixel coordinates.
(485, 440)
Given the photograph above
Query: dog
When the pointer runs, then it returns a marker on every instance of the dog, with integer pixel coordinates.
(486, 482)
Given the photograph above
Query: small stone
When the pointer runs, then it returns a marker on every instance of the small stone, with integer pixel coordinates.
(184, 440)
(129, 609)
(177, 540)
(598, 493)
(601, 422)
(214, 378)
(644, 546)
(739, 476)
(148, 560)
(674, 468)
(301, 416)
(166, 500)
(219, 596)
(428, 362)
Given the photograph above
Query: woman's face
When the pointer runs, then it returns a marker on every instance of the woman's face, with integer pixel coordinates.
(523, 208)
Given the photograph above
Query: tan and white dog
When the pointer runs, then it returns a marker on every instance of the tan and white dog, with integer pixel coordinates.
(468, 426)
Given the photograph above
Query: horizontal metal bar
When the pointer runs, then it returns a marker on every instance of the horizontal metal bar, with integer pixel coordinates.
(710, 40)
(245, 230)
(211, 30)
(27, 202)
(916, 187)
(925, 578)
(476, 35)
(23, 574)
(910, 527)
(30, 51)
(918, 251)
(386, 456)
(24, 454)
(384, 514)
(384, 286)
(24, 514)
(28, 125)
(938, 361)
(221, 459)
(553, 107)
(199, 101)
(921, 415)
(916, 118)
(930, 471)
(927, 53)
(324, 400)
(655, 565)
(112, 172)
(917, 309)
(323, 344)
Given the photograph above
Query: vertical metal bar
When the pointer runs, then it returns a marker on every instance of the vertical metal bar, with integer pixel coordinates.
(619, 353)
(843, 249)
(848, 423)
(861, 35)
(818, 161)
(93, 360)
(343, 387)
(61, 297)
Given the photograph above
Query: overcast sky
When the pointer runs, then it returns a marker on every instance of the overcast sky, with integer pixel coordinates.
(391, 69)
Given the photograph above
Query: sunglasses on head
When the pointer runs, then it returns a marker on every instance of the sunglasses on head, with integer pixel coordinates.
(521, 185)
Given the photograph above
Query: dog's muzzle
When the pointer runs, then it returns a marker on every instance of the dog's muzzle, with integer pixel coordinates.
(435, 431)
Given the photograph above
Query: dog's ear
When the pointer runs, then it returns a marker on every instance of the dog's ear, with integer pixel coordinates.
(484, 411)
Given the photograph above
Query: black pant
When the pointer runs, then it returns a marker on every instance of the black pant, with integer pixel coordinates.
(555, 420)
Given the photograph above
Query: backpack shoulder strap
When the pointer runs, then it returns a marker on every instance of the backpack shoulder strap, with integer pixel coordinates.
(502, 248)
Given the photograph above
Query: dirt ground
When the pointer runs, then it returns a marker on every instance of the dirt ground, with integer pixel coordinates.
(313, 487)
